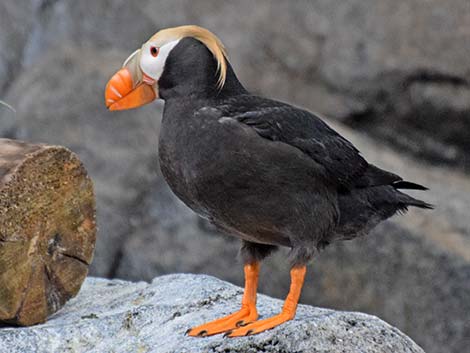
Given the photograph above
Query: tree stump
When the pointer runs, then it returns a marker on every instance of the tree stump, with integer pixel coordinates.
(47, 230)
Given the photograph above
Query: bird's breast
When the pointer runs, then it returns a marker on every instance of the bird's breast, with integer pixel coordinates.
(191, 154)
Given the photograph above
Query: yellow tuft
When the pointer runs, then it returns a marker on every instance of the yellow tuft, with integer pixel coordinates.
(203, 35)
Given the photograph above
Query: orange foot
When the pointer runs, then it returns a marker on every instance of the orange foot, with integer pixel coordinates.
(227, 323)
(244, 316)
(259, 326)
(287, 313)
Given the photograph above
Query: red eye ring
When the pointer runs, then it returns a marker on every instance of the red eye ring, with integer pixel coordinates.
(154, 51)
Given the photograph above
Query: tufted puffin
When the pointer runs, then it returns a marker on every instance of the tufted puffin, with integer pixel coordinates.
(264, 171)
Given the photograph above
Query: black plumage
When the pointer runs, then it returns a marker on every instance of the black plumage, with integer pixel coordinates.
(262, 170)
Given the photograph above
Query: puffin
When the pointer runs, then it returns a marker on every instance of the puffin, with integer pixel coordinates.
(267, 172)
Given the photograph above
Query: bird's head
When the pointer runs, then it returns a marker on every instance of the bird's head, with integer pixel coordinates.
(180, 59)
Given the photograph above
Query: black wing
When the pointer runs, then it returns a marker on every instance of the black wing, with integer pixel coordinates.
(299, 128)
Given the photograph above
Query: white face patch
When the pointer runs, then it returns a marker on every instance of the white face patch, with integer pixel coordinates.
(153, 58)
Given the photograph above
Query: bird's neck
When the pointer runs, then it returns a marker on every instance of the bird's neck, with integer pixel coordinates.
(203, 85)
(232, 86)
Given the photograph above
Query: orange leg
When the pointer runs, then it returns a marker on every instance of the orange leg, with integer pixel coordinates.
(288, 310)
(246, 314)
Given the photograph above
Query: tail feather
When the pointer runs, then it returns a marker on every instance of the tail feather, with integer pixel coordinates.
(406, 200)
(402, 184)
(420, 204)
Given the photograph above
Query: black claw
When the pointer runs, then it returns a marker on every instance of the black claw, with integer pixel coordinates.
(249, 332)
(226, 334)
(241, 323)
(188, 331)
(202, 333)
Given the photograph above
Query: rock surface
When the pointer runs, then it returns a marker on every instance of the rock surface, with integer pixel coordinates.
(117, 316)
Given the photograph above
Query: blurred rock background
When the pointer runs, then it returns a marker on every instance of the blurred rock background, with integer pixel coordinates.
(392, 76)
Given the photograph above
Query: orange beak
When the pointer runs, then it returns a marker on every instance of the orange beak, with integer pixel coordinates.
(121, 93)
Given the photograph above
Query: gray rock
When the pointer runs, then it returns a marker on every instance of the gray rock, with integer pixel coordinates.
(360, 61)
(16, 22)
(392, 68)
(17, 19)
(117, 316)
(368, 63)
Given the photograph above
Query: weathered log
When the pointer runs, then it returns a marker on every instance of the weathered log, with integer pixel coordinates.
(47, 230)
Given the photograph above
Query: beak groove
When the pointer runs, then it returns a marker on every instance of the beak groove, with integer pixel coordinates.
(121, 94)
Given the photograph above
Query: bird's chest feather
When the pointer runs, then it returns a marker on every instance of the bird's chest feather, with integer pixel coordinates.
(191, 151)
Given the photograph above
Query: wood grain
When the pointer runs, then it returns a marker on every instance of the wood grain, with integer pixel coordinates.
(47, 230)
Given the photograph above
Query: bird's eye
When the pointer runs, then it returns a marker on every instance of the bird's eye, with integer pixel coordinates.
(154, 51)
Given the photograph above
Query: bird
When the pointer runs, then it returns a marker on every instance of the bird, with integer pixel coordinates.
(267, 172)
